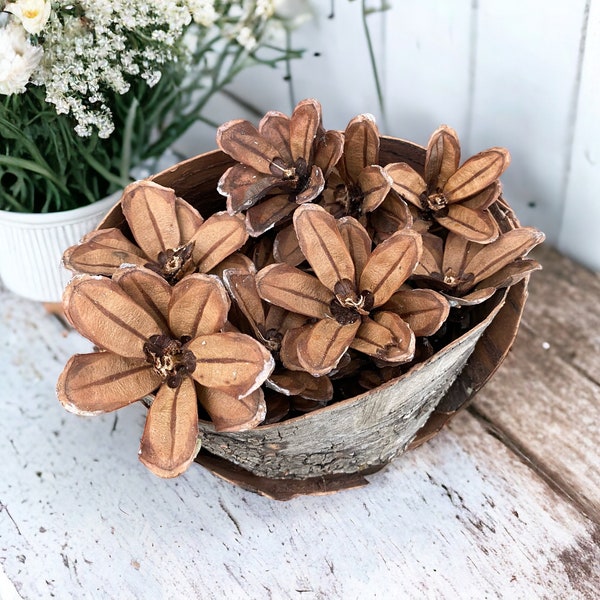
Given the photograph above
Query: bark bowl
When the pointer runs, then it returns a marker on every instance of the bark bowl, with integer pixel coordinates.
(335, 447)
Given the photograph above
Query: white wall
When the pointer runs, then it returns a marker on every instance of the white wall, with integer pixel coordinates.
(523, 74)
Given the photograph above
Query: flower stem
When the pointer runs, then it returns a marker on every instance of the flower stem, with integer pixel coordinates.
(127, 139)
(365, 13)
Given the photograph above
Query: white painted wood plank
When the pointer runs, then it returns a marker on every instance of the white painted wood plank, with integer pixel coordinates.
(553, 414)
(422, 55)
(426, 62)
(563, 311)
(7, 589)
(335, 68)
(81, 518)
(526, 75)
(579, 228)
(516, 66)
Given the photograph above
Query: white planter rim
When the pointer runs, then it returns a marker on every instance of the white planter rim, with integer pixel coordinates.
(41, 220)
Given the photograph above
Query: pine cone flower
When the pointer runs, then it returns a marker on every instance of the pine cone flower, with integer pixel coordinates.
(283, 163)
(154, 337)
(269, 324)
(469, 273)
(350, 284)
(171, 237)
(358, 185)
(456, 197)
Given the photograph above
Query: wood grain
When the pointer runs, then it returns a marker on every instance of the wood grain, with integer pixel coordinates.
(564, 311)
(546, 398)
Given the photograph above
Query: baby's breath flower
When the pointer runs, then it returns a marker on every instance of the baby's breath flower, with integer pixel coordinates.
(152, 78)
(246, 39)
(203, 12)
(264, 8)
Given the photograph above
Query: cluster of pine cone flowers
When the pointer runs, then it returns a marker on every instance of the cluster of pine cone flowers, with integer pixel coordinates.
(326, 275)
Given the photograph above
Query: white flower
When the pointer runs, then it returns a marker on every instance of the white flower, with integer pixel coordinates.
(94, 49)
(18, 59)
(246, 39)
(33, 14)
(264, 8)
(294, 12)
(203, 12)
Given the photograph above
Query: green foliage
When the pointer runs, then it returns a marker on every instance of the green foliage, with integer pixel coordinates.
(46, 166)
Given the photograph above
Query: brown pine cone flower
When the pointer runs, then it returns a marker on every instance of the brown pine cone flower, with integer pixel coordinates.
(456, 197)
(283, 163)
(154, 337)
(358, 185)
(345, 296)
(468, 273)
(171, 237)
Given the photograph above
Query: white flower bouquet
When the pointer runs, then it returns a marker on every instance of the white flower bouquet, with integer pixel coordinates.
(90, 89)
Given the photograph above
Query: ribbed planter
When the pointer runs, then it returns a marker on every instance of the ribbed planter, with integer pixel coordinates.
(334, 447)
(32, 245)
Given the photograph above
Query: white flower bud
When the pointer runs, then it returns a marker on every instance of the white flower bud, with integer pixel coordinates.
(18, 59)
(33, 14)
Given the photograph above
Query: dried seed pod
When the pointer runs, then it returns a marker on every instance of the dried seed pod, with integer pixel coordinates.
(127, 317)
(457, 197)
(469, 273)
(283, 162)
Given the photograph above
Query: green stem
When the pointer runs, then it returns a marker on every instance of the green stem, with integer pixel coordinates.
(372, 57)
(13, 132)
(125, 168)
(102, 170)
(288, 68)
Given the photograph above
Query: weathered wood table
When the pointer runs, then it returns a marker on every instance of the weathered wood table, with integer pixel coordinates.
(504, 503)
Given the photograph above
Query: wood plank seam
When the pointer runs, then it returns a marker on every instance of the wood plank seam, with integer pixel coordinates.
(572, 120)
(473, 42)
(551, 478)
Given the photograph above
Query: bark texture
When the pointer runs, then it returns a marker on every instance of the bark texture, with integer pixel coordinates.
(353, 435)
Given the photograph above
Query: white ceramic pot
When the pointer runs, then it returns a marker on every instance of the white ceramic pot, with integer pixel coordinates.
(32, 244)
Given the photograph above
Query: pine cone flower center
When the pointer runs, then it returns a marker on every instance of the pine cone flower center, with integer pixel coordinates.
(348, 306)
(174, 263)
(287, 173)
(434, 203)
(297, 173)
(451, 279)
(170, 358)
(351, 198)
(271, 339)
